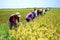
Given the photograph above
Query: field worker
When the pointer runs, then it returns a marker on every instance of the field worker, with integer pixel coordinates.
(47, 9)
(13, 18)
(35, 11)
(33, 15)
(29, 16)
(43, 11)
(39, 12)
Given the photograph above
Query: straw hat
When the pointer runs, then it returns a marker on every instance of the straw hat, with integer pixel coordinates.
(18, 14)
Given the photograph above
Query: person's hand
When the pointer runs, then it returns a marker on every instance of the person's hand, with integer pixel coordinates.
(18, 23)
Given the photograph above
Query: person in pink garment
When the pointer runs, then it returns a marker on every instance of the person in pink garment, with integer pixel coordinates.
(29, 16)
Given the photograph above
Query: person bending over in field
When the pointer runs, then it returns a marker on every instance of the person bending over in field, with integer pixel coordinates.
(43, 11)
(35, 11)
(39, 12)
(29, 16)
(47, 9)
(14, 18)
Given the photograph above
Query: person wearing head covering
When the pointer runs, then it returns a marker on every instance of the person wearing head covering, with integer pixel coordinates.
(29, 16)
(13, 18)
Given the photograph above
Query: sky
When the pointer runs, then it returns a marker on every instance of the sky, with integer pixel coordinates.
(29, 3)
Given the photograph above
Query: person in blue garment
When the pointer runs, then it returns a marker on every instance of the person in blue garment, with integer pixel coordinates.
(35, 11)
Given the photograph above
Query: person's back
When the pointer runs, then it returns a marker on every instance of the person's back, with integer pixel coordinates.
(12, 20)
(11, 17)
(29, 15)
(39, 11)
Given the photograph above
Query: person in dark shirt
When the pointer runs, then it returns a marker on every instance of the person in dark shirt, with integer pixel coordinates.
(39, 12)
(13, 18)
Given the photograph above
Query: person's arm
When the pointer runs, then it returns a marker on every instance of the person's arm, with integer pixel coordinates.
(18, 19)
(32, 17)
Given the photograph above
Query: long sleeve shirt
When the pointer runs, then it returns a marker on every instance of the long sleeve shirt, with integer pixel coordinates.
(13, 18)
(35, 12)
(29, 15)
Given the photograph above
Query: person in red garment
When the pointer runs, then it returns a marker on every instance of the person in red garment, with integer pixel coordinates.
(13, 18)
(39, 12)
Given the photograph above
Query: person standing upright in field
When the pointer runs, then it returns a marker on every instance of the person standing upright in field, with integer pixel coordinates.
(13, 19)
(29, 16)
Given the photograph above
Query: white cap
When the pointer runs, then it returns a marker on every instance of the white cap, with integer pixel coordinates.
(17, 13)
